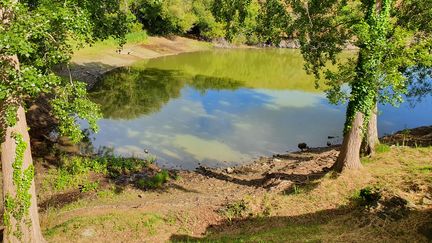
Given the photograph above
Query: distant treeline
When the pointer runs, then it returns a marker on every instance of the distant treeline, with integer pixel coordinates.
(237, 21)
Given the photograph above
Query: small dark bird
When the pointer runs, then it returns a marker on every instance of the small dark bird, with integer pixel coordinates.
(303, 146)
(329, 144)
(146, 151)
(330, 137)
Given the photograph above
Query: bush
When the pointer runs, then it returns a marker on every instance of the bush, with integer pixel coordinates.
(368, 196)
(382, 148)
(154, 182)
(74, 171)
(235, 210)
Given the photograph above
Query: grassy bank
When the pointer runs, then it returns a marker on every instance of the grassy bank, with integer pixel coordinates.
(111, 45)
(344, 209)
(388, 200)
(138, 46)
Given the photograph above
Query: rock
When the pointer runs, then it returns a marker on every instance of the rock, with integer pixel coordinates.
(302, 146)
(427, 201)
(88, 233)
(229, 170)
(290, 43)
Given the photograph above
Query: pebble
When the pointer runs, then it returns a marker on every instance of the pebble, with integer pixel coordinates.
(427, 201)
(88, 233)
(229, 170)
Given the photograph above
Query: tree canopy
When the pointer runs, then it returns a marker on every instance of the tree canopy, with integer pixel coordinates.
(390, 42)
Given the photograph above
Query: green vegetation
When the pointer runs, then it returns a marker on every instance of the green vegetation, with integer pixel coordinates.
(382, 148)
(390, 44)
(384, 202)
(131, 225)
(235, 210)
(17, 206)
(367, 196)
(39, 35)
(137, 37)
(372, 206)
(155, 181)
(240, 22)
(76, 172)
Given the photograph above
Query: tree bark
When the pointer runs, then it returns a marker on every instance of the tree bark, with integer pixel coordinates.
(30, 232)
(371, 139)
(349, 156)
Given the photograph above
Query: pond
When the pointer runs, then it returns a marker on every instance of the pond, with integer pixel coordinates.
(224, 107)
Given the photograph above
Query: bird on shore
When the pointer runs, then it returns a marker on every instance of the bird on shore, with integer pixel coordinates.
(329, 144)
(302, 146)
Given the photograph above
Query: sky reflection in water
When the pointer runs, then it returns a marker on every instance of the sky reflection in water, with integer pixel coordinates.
(224, 107)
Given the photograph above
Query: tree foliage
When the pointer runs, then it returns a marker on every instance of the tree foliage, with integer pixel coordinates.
(43, 34)
(240, 21)
(391, 47)
(390, 44)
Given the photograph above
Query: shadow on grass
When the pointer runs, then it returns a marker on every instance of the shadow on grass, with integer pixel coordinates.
(340, 225)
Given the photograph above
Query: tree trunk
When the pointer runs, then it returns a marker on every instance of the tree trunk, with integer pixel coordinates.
(30, 232)
(28, 228)
(371, 139)
(349, 156)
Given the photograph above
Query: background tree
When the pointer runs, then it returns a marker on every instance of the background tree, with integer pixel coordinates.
(34, 37)
(389, 43)
(165, 17)
(273, 21)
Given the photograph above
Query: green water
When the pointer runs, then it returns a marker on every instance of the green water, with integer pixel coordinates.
(222, 107)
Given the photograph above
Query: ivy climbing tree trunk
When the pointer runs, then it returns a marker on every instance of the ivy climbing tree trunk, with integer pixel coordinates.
(28, 228)
(349, 156)
(371, 139)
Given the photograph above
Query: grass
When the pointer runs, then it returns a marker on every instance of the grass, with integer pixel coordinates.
(382, 148)
(111, 44)
(134, 225)
(337, 209)
(288, 233)
(78, 172)
(155, 181)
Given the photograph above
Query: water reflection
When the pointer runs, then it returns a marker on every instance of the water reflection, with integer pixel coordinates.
(213, 108)
(127, 93)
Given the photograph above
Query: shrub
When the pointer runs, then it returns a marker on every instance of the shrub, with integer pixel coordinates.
(154, 182)
(382, 148)
(368, 196)
(234, 210)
